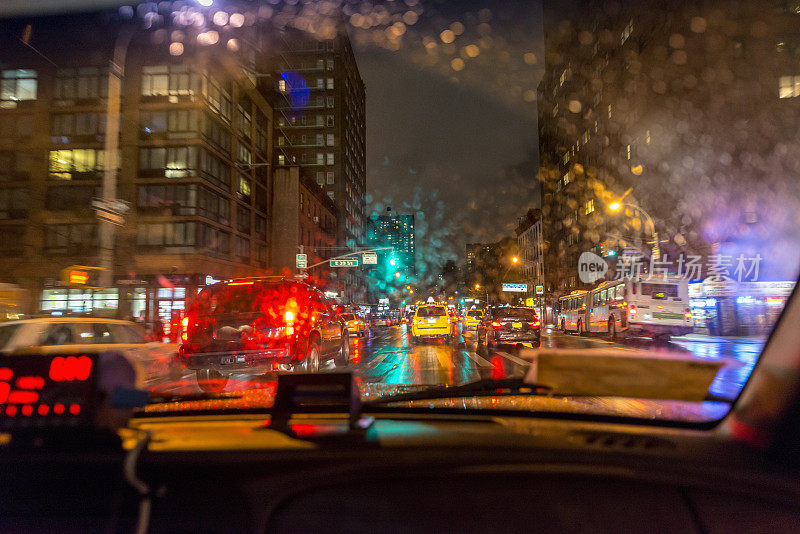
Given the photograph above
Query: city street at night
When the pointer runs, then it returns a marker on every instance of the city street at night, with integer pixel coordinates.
(388, 356)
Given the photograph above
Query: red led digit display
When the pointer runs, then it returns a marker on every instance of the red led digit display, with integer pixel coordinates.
(54, 390)
(30, 382)
(70, 368)
(19, 396)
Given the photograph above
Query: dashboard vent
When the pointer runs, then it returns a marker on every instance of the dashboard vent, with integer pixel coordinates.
(620, 441)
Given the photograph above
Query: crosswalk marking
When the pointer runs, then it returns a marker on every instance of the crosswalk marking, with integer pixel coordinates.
(518, 361)
(480, 361)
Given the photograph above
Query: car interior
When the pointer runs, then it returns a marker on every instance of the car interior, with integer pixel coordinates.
(348, 467)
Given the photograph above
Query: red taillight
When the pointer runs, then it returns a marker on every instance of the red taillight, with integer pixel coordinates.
(289, 318)
(535, 323)
(687, 313)
(632, 309)
(185, 329)
(497, 324)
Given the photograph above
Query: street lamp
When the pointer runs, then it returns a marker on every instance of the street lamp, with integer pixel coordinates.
(615, 207)
(514, 259)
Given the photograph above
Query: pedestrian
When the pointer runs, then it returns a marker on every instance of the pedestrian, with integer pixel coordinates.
(158, 331)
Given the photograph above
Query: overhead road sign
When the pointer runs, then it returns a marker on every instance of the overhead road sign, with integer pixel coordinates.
(344, 263)
(515, 288)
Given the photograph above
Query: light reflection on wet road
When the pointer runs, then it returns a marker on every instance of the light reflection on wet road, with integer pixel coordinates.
(388, 356)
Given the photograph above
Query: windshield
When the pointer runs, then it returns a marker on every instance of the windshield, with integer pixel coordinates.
(620, 176)
(431, 311)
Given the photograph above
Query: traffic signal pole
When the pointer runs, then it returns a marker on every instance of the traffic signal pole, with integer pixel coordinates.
(116, 71)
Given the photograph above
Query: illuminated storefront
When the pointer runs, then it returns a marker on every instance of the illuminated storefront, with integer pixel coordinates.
(730, 308)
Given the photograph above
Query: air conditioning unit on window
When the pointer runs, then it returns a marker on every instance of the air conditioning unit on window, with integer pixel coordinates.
(316, 219)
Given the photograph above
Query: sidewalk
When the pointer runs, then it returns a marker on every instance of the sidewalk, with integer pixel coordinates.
(704, 338)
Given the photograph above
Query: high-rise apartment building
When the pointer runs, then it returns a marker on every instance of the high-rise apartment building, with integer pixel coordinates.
(394, 230)
(320, 126)
(193, 167)
(664, 107)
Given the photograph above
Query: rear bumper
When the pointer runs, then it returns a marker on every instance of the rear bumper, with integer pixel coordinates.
(530, 337)
(656, 329)
(235, 360)
(431, 332)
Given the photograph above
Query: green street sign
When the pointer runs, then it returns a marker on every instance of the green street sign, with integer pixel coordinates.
(302, 261)
(344, 263)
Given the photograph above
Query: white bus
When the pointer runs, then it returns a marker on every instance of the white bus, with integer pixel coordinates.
(572, 312)
(658, 308)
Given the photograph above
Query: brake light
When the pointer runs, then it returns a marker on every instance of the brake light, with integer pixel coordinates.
(289, 317)
(185, 329)
(535, 323)
(687, 313)
(240, 283)
(497, 324)
(632, 309)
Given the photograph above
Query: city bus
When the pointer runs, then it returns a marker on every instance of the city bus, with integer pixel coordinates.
(571, 317)
(657, 308)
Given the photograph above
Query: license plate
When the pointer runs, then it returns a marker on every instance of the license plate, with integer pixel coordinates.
(516, 325)
(431, 321)
(227, 359)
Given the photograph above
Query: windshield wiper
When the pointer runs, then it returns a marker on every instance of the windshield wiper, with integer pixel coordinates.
(485, 386)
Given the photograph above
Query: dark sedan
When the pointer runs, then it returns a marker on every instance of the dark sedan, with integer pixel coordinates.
(509, 325)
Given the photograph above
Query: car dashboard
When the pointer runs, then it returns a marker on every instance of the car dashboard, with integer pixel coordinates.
(405, 473)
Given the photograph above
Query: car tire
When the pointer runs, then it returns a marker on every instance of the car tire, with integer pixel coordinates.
(211, 381)
(344, 351)
(310, 363)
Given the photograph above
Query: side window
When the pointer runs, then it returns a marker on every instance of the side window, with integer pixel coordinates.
(85, 333)
(134, 334)
(104, 333)
(58, 334)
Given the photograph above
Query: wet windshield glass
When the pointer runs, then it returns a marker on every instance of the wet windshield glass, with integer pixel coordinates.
(251, 176)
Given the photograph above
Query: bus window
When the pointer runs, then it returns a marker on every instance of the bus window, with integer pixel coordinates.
(660, 291)
(604, 296)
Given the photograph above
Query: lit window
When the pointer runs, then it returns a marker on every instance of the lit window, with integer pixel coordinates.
(281, 159)
(609, 111)
(563, 78)
(628, 150)
(17, 85)
(330, 83)
(282, 86)
(330, 158)
(789, 87)
(588, 207)
(329, 139)
(647, 137)
(566, 178)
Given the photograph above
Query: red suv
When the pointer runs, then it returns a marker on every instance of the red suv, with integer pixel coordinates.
(273, 323)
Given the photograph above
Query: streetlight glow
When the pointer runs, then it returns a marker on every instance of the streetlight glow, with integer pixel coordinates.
(614, 206)
(205, 3)
(514, 259)
(477, 286)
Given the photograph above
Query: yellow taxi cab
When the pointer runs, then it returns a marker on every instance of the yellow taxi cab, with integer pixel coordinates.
(355, 325)
(431, 321)
(473, 318)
